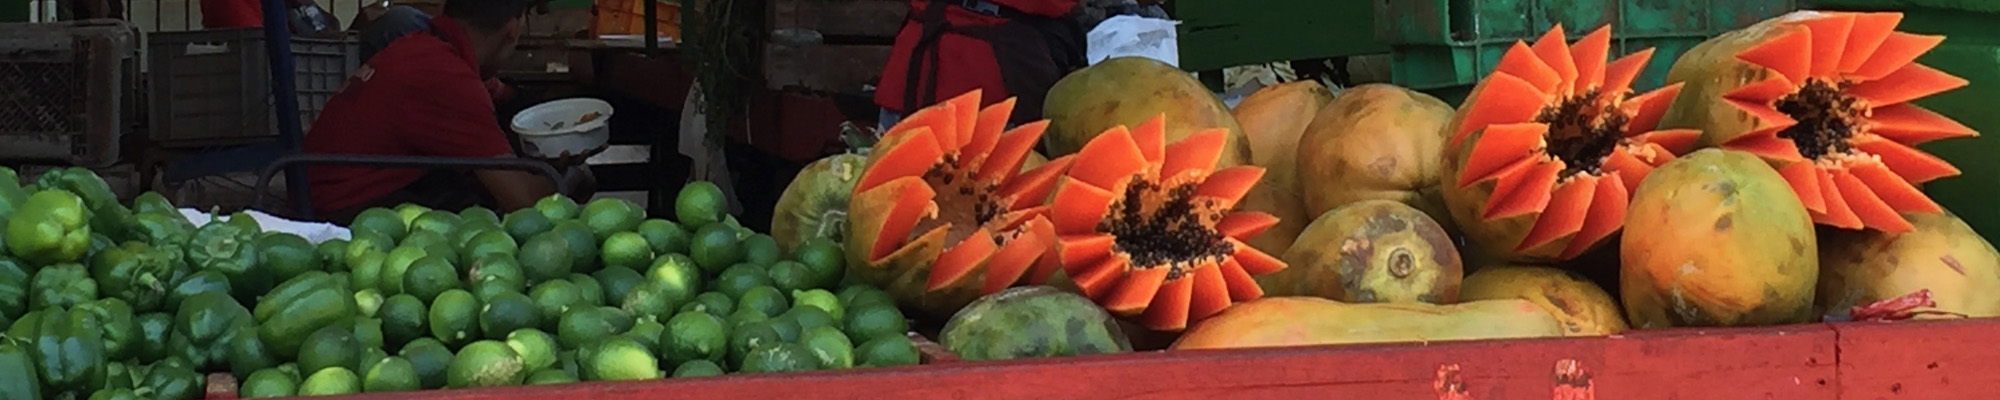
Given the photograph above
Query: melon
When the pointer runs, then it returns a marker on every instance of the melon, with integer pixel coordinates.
(1717, 238)
(1306, 321)
(1032, 322)
(1126, 91)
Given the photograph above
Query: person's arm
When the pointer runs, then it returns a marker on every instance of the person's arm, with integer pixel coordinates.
(1045, 8)
(514, 190)
(453, 117)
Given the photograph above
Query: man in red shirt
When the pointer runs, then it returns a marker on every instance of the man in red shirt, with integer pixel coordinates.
(425, 95)
(1017, 48)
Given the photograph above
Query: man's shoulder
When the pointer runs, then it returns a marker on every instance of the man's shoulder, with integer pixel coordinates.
(420, 53)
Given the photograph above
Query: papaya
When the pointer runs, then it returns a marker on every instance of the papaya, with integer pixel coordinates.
(1274, 118)
(814, 205)
(1306, 321)
(1032, 322)
(1375, 141)
(1941, 254)
(1717, 238)
(1825, 97)
(1583, 308)
(1545, 151)
(1126, 91)
(1368, 252)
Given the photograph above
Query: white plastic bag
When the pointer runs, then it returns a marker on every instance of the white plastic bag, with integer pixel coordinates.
(1127, 35)
(314, 232)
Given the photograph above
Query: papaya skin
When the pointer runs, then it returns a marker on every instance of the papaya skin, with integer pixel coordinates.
(1716, 238)
(1376, 141)
(815, 203)
(1368, 252)
(1306, 321)
(1710, 70)
(1127, 91)
(1274, 118)
(1492, 239)
(1943, 254)
(1583, 308)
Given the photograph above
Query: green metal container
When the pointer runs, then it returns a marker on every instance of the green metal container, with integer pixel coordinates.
(1971, 50)
(1215, 34)
(1445, 46)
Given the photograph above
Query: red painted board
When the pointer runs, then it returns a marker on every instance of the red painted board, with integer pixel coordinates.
(1920, 360)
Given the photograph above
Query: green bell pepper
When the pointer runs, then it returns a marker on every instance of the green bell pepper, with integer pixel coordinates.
(231, 250)
(25, 327)
(117, 394)
(17, 363)
(14, 283)
(154, 330)
(118, 375)
(153, 202)
(174, 383)
(69, 350)
(299, 307)
(195, 283)
(160, 228)
(134, 272)
(248, 354)
(204, 326)
(61, 285)
(49, 228)
(106, 214)
(121, 331)
(11, 193)
(243, 220)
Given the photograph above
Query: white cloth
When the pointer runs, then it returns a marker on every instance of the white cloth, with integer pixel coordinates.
(1127, 35)
(314, 232)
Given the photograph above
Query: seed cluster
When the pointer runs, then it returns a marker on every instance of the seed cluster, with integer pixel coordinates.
(1583, 130)
(1172, 235)
(1827, 118)
(955, 188)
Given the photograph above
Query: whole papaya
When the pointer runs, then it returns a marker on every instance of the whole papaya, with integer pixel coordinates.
(1716, 238)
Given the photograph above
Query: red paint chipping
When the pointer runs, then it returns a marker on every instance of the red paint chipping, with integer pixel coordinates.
(1449, 385)
(1572, 382)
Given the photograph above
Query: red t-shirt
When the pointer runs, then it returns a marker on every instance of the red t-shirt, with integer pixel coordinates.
(221, 14)
(421, 96)
(966, 63)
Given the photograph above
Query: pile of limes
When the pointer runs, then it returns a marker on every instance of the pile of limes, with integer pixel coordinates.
(563, 292)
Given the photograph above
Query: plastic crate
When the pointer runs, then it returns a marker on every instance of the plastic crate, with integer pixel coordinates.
(627, 17)
(68, 95)
(1445, 46)
(212, 87)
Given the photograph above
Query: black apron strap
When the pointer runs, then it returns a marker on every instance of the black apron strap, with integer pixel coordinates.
(926, 50)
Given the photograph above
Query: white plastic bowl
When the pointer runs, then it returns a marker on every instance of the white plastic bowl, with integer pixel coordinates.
(549, 129)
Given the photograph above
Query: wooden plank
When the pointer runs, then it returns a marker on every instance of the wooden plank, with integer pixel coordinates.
(1919, 360)
(837, 18)
(826, 68)
(1216, 34)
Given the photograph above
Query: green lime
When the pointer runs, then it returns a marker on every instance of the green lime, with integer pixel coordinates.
(331, 381)
(750, 336)
(268, 383)
(740, 278)
(430, 276)
(694, 336)
(369, 301)
(627, 249)
(617, 282)
(505, 270)
(403, 320)
(830, 346)
(823, 300)
(462, 238)
(526, 223)
(284, 255)
(647, 332)
(761, 249)
(454, 317)
(364, 241)
(366, 270)
(508, 312)
(329, 347)
(876, 321)
(583, 245)
(550, 377)
(485, 363)
(478, 214)
(566, 361)
(485, 291)
(536, 348)
(392, 374)
(372, 355)
(546, 256)
(744, 317)
(664, 236)
(557, 207)
(788, 329)
(887, 351)
(764, 299)
(332, 254)
(715, 247)
(606, 216)
(398, 264)
(431, 359)
(698, 369)
(555, 298)
(425, 239)
(809, 317)
(409, 213)
(826, 260)
(381, 220)
(789, 275)
(489, 242)
(713, 303)
(367, 331)
(443, 223)
(700, 203)
(676, 269)
(445, 251)
(787, 357)
(620, 359)
(863, 295)
(586, 325)
(588, 289)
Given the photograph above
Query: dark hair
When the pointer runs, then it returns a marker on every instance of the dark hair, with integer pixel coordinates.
(486, 14)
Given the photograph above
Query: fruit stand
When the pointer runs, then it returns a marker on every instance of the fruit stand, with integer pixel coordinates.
(1743, 216)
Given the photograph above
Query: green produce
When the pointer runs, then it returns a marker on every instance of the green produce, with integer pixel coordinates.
(620, 359)
(485, 363)
(607, 216)
(117, 375)
(154, 329)
(332, 254)
(429, 276)
(285, 256)
(382, 221)
(647, 332)
(698, 369)
(1032, 321)
(160, 229)
(398, 262)
(694, 335)
(431, 359)
(822, 300)
(546, 256)
(537, 349)
(716, 246)
(442, 223)
(554, 298)
(268, 383)
(454, 317)
(169, 382)
(17, 359)
(330, 382)
(63, 286)
(550, 377)
(11, 193)
(392, 374)
(749, 336)
(488, 243)
(700, 203)
(627, 250)
(115, 394)
(582, 245)
(365, 270)
(830, 346)
(617, 282)
(153, 202)
(764, 299)
(826, 260)
(887, 351)
(506, 313)
(787, 357)
(247, 354)
(49, 228)
(738, 280)
(368, 301)
(479, 215)
(404, 319)
(229, 248)
(196, 283)
(14, 283)
(876, 321)
(205, 325)
(134, 272)
(526, 223)
(69, 350)
(120, 331)
(588, 289)
(299, 307)
(368, 331)
(585, 325)
(107, 216)
(497, 268)
(557, 207)
(329, 347)
(713, 303)
(665, 237)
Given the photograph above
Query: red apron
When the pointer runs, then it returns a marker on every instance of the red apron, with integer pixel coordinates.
(950, 47)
